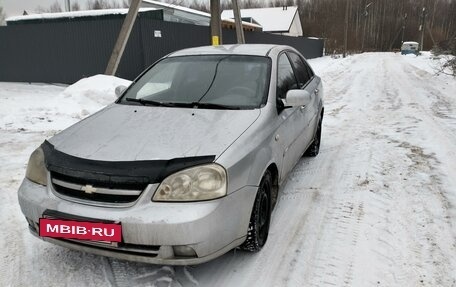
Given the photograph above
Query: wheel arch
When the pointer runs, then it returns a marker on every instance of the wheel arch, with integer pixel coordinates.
(272, 168)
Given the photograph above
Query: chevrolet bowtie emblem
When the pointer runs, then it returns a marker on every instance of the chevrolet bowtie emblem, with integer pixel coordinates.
(88, 189)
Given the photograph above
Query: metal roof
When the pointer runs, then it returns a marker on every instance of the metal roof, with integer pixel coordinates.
(177, 7)
(75, 14)
(272, 19)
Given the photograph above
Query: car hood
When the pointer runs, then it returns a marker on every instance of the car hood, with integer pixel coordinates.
(127, 133)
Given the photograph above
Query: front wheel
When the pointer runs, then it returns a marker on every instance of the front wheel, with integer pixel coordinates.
(261, 216)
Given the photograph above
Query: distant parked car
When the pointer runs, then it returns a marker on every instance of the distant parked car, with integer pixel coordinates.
(186, 164)
(409, 48)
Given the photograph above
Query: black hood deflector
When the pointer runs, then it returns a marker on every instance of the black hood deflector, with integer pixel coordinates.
(139, 171)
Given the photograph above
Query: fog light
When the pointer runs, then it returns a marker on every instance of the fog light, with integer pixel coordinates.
(184, 251)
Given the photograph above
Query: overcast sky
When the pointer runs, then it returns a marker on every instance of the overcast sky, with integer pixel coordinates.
(17, 7)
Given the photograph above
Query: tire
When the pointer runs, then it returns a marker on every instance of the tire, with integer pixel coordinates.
(258, 231)
(314, 148)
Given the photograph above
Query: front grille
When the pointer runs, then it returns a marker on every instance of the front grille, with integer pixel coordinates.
(112, 182)
(103, 191)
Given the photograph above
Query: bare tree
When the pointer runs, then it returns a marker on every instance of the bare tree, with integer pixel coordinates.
(95, 4)
(251, 4)
(103, 4)
(449, 67)
(380, 24)
(382, 20)
(41, 9)
(75, 6)
(199, 5)
(447, 50)
(55, 7)
(91, 5)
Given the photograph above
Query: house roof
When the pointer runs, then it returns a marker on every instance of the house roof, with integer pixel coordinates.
(165, 6)
(177, 7)
(274, 19)
(244, 23)
(74, 14)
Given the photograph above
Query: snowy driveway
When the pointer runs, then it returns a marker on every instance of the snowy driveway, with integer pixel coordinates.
(377, 207)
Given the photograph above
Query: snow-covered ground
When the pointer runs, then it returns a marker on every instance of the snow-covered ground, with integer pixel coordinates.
(377, 207)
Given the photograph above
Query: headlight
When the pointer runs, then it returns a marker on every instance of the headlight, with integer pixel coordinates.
(193, 184)
(36, 169)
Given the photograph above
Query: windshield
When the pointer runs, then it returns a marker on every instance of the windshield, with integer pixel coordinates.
(215, 81)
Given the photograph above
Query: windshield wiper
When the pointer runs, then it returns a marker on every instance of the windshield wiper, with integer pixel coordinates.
(213, 106)
(195, 105)
(150, 102)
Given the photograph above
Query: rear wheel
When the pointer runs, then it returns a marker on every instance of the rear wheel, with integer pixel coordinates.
(314, 148)
(261, 216)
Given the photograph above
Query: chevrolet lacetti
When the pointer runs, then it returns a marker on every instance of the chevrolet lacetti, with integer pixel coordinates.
(186, 164)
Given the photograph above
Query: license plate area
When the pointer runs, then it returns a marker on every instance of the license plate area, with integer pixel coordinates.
(93, 231)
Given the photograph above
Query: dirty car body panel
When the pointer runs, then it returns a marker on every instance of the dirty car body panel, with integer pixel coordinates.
(114, 165)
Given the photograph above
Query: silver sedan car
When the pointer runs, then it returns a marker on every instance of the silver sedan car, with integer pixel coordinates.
(186, 164)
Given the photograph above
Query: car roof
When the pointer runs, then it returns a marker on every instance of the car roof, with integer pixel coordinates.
(243, 49)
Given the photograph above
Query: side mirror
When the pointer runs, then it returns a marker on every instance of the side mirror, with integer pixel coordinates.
(296, 98)
(119, 90)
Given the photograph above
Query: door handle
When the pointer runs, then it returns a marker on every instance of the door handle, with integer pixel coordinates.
(316, 91)
(302, 107)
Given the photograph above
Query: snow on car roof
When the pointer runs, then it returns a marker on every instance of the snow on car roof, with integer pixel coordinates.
(74, 14)
(245, 49)
(410, 43)
(275, 19)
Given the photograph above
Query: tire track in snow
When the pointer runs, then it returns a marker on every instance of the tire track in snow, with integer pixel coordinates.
(122, 273)
(326, 212)
(424, 196)
(134, 274)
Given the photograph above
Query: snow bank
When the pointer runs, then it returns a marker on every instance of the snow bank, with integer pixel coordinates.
(99, 89)
(90, 94)
(26, 108)
(429, 62)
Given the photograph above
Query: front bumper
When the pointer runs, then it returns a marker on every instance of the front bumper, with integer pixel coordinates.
(210, 228)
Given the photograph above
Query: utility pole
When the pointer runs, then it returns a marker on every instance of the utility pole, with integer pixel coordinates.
(68, 5)
(404, 23)
(423, 23)
(122, 40)
(238, 21)
(346, 28)
(216, 28)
